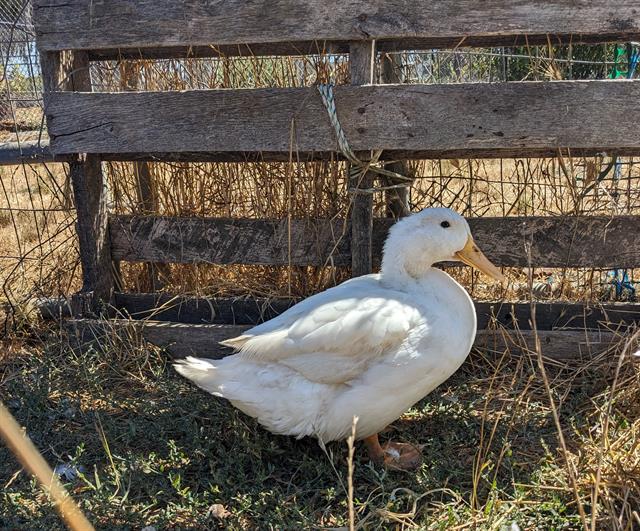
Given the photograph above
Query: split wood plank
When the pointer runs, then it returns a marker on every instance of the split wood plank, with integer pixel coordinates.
(122, 24)
(589, 241)
(407, 121)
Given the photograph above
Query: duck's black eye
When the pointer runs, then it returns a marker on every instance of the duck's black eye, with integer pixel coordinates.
(445, 224)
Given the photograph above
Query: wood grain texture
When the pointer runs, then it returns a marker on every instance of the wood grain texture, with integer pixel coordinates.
(338, 47)
(421, 121)
(557, 315)
(86, 24)
(589, 241)
(361, 223)
(229, 50)
(195, 310)
(597, 241)
(396, 199)
(362, 58)
(181, 340)
(253, 311)
(90, 195)
(51, 68)
(554, 344)
(228, 241)
(361, 63)
(90, 198)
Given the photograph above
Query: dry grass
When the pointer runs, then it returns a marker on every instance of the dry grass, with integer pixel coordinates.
(38, 249)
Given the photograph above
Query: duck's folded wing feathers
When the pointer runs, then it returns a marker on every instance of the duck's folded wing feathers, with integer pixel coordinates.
(355, 320)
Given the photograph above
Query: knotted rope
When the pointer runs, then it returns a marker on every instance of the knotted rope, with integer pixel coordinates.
(358, 166)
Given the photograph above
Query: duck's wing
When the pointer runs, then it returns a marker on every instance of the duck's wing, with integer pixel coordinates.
(343, 329)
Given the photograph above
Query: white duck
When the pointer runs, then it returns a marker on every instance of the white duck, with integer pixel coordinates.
(370, 347)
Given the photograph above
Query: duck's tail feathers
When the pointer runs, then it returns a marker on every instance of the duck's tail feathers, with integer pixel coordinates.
(236, 342)
(202, 372)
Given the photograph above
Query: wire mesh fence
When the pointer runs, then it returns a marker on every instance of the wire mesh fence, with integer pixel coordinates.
(37, 241)
(38, 250)
(21, 97)
(604, 184)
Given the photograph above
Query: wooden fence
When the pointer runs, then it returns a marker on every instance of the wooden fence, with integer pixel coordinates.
(405, 121)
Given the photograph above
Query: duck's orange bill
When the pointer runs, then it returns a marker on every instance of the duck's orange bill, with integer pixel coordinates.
(474, 257)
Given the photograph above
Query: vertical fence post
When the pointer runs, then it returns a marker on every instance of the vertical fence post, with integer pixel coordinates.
(70, 71)
(396, 199)
(361, 60)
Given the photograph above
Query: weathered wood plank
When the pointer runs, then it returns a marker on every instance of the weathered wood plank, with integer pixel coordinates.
(252, 311)
(51, 69)
(229, 156)
(27, 152)
(338, 47)
(228, 241)
(181, 340)
(299, 48)
(397, 193)
(361, 63)
(199, 310)
(594, 241)
(362, 57)
(90, 198)
(84, 24)
(425, 121)
(229, 50)
(554, 344)
(557, 315)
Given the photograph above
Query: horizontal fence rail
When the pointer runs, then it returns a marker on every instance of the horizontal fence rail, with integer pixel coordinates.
(262, 27)
(251, 311)
(408, 121)
(593, 241)
(181, 340)
(28, 152)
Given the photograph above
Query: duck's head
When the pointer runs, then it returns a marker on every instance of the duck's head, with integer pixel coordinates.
(432, 235)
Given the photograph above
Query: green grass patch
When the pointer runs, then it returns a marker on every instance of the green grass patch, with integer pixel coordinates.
(153, 450)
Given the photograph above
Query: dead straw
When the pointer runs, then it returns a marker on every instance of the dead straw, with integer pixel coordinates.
(32, 460)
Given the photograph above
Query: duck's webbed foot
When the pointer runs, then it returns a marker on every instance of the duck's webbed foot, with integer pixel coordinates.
(399, 456)
(402, 456)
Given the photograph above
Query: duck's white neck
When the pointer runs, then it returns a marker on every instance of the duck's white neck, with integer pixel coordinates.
(397, 270)
(410, 251)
